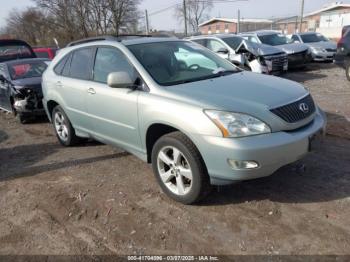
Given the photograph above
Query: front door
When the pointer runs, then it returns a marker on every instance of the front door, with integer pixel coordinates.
(113, 112)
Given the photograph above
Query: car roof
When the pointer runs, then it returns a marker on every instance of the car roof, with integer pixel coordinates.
(214, 36)
(26, 60)
(262, 32)
(122, 39)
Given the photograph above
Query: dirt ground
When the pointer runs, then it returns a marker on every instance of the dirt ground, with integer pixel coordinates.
(95, 199)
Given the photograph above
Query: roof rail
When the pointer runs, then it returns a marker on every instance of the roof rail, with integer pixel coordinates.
(118, 38)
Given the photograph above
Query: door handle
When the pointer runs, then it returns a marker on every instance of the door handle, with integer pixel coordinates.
(59, 84)
(91, 91)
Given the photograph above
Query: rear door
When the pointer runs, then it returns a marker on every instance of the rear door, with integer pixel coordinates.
(74, 85)
(113, 115)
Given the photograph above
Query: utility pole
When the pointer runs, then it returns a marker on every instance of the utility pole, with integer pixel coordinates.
(301, 16)
(147, 22)
(185, 16)
(238, 21)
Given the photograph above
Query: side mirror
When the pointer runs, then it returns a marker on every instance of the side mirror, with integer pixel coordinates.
(119, 80)
(223, 50)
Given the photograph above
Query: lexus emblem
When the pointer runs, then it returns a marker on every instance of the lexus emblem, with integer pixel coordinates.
(304, 108)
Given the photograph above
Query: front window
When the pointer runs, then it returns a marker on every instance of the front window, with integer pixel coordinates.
(27, 70)
(274, 39)
(313, 38)
(178, 62)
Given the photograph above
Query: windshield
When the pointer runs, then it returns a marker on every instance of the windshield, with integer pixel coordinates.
(178, 62)
(313, 38)
(233, 42)
(274, 39)
(8, 52)
(27, 70)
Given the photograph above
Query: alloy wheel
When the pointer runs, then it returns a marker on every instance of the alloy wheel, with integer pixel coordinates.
(61, 126)
(174, 170)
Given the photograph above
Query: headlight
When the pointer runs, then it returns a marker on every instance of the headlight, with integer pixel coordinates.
(237, 124)
(318, 49)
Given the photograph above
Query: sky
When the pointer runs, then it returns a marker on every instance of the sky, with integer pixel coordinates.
(167, 21)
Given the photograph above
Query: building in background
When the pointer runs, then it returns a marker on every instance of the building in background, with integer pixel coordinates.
(226, 25)
(329, 20)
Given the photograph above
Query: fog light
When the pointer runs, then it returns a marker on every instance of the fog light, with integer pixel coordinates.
(239, 165)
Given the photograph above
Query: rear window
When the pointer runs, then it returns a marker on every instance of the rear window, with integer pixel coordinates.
(27, 70)
(42, 54)
(9, 52)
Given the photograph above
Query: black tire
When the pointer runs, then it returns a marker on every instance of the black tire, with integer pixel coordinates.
(200, 179)
(347, 71)
(22, 118)
(72, 139)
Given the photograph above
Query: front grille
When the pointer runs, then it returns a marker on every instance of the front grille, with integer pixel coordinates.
(278, 61)
(292, 113)
(297, 56)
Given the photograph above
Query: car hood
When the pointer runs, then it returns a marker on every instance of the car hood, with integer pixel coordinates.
(260, 49)
(325, 44)
(240, 92)
(293, 48)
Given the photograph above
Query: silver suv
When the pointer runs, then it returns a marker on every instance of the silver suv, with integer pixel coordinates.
(198, 119)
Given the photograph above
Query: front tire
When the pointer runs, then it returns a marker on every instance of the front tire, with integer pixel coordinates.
(180, 169)
(63, 127)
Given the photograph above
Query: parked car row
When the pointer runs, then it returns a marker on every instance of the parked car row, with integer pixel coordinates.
(195, 116)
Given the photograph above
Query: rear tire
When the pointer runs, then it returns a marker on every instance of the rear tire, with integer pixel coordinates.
(347, 71)
(63, 128)
(180, 169)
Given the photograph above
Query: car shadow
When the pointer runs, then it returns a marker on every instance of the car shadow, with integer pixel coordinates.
(310, 72)
(3, 136)
(21, 161)
(322, 176)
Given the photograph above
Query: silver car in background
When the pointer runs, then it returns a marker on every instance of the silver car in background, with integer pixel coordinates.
(194, 116)
(258, 58)
(322, 49)
(298, 54)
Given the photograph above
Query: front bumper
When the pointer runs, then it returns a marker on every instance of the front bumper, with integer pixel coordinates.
(270, 151)
(322, 56)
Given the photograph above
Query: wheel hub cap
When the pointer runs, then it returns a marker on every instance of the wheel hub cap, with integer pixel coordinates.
(175, 171)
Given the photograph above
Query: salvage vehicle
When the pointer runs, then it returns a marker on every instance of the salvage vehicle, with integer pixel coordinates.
(342, 57)
(15, 49)
(45, 52)
(254, 57)
(298, 54)
(322, 49)
(20, 87)
(197, 118)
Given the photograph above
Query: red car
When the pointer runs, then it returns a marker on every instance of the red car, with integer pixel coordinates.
(45, 52)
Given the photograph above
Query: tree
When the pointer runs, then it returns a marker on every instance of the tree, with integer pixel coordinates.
(196, 10)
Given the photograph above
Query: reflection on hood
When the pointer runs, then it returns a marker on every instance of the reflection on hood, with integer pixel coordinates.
(259, 49)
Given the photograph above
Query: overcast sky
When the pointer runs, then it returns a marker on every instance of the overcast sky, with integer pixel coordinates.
(166, 20)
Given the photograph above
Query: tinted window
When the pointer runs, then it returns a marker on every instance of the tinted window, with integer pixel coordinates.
(200, 41)
(27, 70)
(295, 38)
(81, 63)
(110, 60)
(313, 38)
(42, 54)
(233, 42)
(59, 67)
(274, 39)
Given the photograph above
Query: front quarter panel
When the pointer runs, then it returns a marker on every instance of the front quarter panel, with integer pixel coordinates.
(189, 119)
